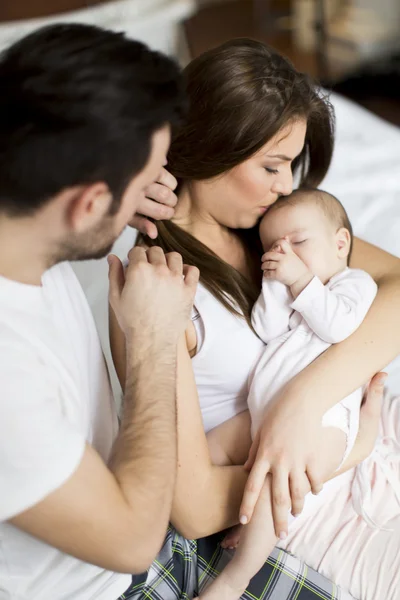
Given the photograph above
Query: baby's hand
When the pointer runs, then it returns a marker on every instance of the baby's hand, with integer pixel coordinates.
(282, 264)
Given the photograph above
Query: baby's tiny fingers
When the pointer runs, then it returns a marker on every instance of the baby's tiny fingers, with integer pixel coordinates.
(269, 265)
(276, 256)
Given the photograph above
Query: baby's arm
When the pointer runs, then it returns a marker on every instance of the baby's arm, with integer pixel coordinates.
(335, 311)
(271, 312)
(229, 443)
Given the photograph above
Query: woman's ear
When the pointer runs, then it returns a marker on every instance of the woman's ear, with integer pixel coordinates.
(89, 206)
(343, 242)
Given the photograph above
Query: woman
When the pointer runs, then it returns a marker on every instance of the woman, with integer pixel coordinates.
(253, 122)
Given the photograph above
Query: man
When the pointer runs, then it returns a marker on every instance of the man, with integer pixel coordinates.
(84, 130)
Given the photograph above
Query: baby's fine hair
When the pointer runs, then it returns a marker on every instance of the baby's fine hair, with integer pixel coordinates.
(330, 205)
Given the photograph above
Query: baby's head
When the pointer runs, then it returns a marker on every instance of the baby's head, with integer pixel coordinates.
(316, 226)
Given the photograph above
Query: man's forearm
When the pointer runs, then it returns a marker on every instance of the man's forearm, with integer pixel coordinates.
(145, 452)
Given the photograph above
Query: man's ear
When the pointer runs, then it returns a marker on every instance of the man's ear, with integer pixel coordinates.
(88, 205)
(343, 242)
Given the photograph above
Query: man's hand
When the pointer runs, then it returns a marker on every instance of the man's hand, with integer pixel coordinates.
(282, 264)
(153, 298)
(287, 446)
(158, 203)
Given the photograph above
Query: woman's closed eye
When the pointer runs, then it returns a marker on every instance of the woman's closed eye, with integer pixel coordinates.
(298, 242)
(272, 171)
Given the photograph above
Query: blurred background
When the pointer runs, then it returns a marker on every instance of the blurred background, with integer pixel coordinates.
(350, 46)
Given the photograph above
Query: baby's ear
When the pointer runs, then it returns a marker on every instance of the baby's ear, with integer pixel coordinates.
(343, 242)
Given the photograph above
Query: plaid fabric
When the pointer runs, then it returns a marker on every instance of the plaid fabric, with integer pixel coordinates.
(185, 567)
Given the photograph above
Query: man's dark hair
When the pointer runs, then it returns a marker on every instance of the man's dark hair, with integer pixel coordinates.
(78, 104)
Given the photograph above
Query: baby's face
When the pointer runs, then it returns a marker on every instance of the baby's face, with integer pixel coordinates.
(309, 232)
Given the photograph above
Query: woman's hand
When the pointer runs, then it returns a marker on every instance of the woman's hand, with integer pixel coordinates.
(287, 446)
(158, 203)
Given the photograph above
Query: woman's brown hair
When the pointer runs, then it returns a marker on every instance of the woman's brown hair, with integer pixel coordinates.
(240, 95)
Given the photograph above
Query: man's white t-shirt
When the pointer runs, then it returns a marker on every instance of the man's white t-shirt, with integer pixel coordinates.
(55, 395)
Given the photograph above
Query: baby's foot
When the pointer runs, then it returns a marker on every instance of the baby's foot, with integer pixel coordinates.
(231, 540)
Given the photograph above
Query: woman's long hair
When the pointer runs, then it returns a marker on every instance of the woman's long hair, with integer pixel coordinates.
(240, 95)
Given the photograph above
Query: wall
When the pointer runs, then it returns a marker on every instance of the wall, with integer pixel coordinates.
(30, 9)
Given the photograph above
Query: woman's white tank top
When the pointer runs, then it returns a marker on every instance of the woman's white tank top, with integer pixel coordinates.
(227, 353)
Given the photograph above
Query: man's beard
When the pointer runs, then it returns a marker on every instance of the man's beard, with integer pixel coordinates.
(95, 244)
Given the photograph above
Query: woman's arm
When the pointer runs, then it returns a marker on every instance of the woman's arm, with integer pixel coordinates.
(207, 497)
(287, 442)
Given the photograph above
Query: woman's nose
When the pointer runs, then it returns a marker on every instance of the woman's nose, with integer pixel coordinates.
(283, 184)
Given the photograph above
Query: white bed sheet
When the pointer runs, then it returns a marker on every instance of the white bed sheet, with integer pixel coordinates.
(365, 176)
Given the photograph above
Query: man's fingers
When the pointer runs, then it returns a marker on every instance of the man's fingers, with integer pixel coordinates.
(280, 502)
(299, 487)
(174, 262)
(192, 275)
(161, 194)
(144, 226)
(156, 256)
(253, 489)
(155, 210)
(136, 254)
(116, 277)
(167, 179)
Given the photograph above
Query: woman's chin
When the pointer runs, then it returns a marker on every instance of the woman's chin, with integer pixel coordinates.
(244, 222)
(252, 222)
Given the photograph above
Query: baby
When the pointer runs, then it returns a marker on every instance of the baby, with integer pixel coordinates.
(310, 299)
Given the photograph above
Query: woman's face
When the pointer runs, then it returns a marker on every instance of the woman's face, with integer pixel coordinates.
(238, 198)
